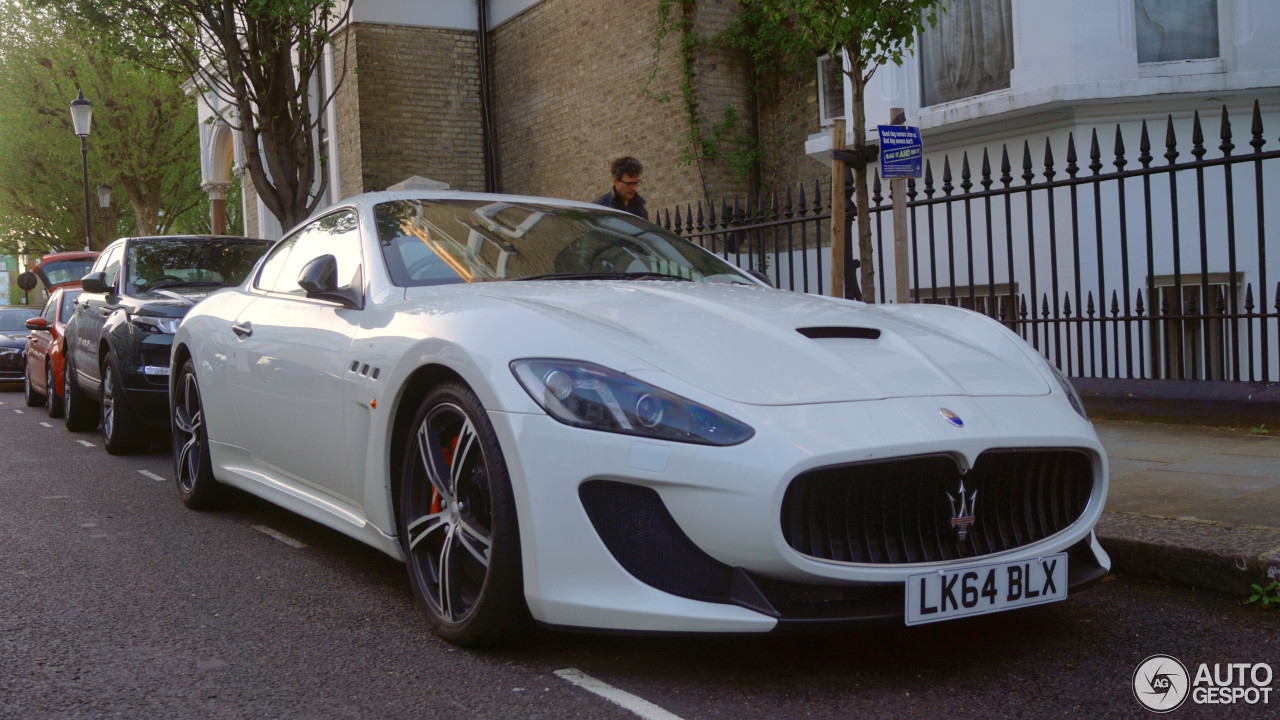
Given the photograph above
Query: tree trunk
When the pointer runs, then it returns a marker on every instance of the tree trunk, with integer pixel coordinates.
(862, 196)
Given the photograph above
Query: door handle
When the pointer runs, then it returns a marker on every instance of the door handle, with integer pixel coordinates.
(242, 330)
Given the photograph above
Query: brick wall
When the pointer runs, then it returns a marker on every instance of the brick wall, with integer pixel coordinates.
(418, 104)
(347, 109)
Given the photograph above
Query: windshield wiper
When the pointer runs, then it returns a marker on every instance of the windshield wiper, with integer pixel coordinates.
(187, 283)
(604, 276)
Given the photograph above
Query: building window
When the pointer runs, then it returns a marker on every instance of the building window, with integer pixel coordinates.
(830, 88)
(969, 52)
(1174, 30)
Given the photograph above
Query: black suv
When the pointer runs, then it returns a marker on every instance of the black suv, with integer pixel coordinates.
(118, 338)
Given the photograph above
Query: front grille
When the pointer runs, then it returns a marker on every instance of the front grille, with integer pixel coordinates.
(899, 511)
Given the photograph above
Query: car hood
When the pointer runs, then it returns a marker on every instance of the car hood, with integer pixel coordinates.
(762, 346)
(172, 302)
(14, 340)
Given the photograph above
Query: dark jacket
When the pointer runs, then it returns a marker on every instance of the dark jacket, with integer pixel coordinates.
(613, 200)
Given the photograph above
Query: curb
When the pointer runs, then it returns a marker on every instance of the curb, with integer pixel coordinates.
(1200, 554)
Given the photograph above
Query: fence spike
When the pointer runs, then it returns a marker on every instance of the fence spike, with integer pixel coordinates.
(965, 177)
(986, 170)
(928, 179)
(848, 186)
(1225, 134)
(947, 187)
(1066, 305)
(1170, 142)
(1049, 172)
(788, 208)
(1115, 304)
(1095, 155)
(1278, 296)
(1221, 303)
(1005, 169)
(1197, 137)
(876, 197)
(1144, 147)
(911, 189)
(1257, 142)
(1088, 308)
(1044, 305)
(1004, 309)
(764, 209)
(688, 217)
(1022, 306)
(1137, 305)
(1164, 304)
(1192, 305)
(817, 196)
(1027, 175)
(711, 215)
(1072, 167)
(803, 208)
(679, 221)
(1120, 161)
(701, 225)
(1248, 299)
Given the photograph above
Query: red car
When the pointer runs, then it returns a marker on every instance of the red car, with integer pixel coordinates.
(58, 269)
(44, 371)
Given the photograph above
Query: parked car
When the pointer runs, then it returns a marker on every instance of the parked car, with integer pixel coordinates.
(58, 269)
(119, 335)
(45, 350)
(557, 410)
(13, 340)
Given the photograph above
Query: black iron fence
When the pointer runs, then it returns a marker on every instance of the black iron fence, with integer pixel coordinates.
(1148, 270)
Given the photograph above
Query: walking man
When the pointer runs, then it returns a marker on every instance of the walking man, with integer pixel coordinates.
(626, 182)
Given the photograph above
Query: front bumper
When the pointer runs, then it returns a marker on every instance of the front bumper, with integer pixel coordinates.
(721, 510)
(13, 365)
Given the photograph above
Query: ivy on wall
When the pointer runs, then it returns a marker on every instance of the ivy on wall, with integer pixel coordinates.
(771, 51)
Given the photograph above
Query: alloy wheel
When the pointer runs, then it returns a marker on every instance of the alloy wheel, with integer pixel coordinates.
(188, 417)
(450, 532)
(108, 401)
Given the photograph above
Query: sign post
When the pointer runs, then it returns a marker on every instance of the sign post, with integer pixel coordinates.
(901, 157)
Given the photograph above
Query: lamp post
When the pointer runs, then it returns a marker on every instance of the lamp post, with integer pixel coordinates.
(104, 202)
(81, 118)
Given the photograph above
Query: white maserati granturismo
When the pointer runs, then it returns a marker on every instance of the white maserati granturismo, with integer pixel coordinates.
(557, 412)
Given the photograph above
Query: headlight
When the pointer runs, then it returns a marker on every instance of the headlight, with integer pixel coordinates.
(152, 324)
(1070, 390)
(586, 395)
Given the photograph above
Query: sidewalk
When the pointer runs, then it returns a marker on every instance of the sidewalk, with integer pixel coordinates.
(1194, 505)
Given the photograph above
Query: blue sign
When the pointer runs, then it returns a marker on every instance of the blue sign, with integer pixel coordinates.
(901, 152)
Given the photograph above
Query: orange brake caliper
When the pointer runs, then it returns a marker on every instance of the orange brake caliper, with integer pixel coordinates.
(448, 460)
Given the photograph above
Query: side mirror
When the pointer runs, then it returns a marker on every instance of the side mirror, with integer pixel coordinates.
(37, 323)
(319, 280)
(94, 282)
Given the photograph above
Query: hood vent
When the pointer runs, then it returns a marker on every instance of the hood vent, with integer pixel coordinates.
(823, 333)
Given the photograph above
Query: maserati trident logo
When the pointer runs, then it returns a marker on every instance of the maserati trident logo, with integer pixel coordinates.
(962, 515)
(951, 417)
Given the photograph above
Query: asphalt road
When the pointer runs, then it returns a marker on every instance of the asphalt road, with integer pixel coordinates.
(117, 602)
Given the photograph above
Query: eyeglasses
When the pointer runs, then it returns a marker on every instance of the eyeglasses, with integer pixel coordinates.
(628, 184)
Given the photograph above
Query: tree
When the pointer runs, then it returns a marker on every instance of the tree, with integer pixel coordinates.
(263, 58)
(869, 33)
(144, 141)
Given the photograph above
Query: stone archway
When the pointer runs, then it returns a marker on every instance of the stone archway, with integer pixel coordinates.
(219, 165)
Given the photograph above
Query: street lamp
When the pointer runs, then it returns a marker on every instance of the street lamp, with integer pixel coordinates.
(81, 118)
(104, 202)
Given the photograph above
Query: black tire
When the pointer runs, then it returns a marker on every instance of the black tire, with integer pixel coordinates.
(121, 432)
(52, 401)
(80, 411)
(33, 398)
(192, 467)
(458, 519)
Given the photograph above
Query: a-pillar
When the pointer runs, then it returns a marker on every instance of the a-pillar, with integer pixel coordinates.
(217, 206)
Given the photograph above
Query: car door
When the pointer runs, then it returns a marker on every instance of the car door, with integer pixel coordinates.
(92, 311)
(38, 342)
(289, 361)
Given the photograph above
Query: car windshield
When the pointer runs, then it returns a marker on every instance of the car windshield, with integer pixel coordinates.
(436, 242)
(178, 262)
(64, 271)
(15, 319)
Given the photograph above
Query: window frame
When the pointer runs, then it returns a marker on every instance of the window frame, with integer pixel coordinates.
(825, 120)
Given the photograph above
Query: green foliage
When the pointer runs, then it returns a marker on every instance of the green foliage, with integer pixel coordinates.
(1260, 430)
(1267, 596)
(143, 141)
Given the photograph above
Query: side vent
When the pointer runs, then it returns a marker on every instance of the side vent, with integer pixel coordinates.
(856, 333)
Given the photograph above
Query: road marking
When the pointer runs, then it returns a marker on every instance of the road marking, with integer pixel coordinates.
(151, 475)
(19, 412)
(635, 704)
(279, 536)
(56, 497)
(85, 443)
(46, 424)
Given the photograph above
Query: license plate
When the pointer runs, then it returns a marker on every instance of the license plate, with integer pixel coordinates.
(982, 589)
